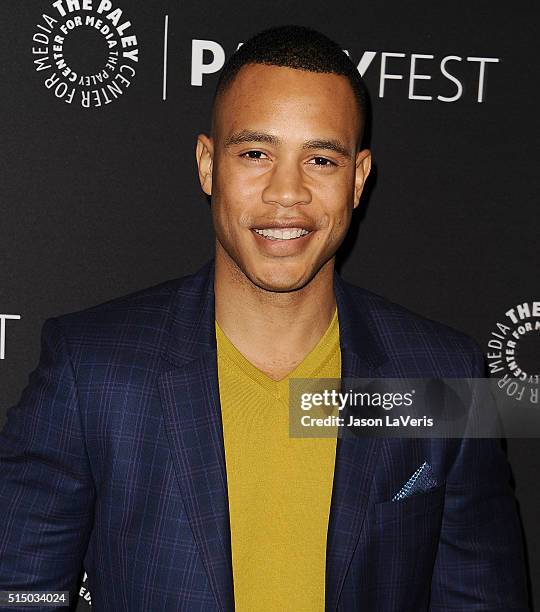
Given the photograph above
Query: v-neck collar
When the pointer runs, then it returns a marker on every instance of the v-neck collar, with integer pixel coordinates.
(307, 368)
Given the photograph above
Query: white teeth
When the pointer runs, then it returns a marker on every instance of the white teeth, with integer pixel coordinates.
(282, 234)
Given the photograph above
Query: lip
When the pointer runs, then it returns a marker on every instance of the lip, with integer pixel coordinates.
(282, 248)
(284, 224)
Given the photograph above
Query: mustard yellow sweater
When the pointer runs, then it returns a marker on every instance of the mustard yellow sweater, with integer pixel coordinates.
(279, 487)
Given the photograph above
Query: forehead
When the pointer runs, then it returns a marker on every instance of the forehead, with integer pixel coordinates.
(287, 100)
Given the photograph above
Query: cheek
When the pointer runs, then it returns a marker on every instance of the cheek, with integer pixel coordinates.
(336, 193)
(236, 191)
(223, 217)
(338, 210)
(341, 225)
(233, 175)
(230, 215)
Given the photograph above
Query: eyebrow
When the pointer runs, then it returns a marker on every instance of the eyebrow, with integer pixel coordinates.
(330, 144)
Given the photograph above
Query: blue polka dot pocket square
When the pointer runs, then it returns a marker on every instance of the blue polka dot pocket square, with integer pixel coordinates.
(422, 480)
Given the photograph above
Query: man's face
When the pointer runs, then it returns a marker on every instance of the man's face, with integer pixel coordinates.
(283, 171)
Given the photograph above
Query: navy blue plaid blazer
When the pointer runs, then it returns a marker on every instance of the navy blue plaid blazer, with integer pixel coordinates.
(114, 458)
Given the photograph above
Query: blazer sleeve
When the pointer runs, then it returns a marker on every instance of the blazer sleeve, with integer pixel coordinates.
(46, 488)
(480, 559)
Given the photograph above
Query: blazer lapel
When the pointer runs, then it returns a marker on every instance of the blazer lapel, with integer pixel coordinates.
(356, 458)
(192, 413)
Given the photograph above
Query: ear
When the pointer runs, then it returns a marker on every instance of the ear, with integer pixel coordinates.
(363, 166)
(205, 160)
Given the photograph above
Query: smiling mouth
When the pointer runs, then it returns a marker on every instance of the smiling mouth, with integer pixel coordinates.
(291, 233)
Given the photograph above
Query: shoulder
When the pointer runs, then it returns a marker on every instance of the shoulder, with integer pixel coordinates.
(133, 323)
(410, 338)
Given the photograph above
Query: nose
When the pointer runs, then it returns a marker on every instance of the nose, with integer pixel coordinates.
(286, 185)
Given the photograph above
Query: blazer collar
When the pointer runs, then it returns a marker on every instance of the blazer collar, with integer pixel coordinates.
(192, 325)
(192, 414)
(192, 318)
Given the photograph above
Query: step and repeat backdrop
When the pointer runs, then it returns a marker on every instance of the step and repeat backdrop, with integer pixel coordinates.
(102, 101)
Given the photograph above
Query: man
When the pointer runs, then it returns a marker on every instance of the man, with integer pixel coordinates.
(151, 444)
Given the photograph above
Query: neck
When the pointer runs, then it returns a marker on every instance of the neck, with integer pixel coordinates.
(274, 330)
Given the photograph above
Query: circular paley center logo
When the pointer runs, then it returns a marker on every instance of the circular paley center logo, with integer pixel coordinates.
(514, 352)
(86, 52)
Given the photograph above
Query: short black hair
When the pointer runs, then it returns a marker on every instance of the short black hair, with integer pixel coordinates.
(299, 47)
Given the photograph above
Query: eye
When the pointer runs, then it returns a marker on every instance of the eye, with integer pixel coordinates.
(253, 155)
(322, 161)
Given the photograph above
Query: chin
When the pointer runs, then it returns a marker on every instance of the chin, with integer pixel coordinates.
(280, 280)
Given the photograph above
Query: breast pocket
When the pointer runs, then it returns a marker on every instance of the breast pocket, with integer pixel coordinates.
(427, 504)
(404, 539)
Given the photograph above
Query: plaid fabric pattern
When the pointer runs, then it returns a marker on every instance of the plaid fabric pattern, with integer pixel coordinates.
(113, 459)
